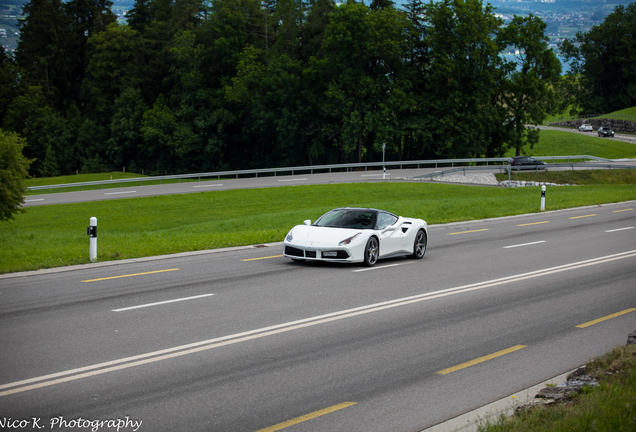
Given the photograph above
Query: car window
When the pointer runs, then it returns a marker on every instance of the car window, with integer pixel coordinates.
(348, 218)
(385, 220)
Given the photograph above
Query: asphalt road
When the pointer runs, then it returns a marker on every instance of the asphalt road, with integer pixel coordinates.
(245, 340)
(242, 183)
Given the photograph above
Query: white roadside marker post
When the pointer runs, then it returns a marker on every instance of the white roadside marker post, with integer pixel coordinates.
(543, 198)
(92, 232)
(383, 166)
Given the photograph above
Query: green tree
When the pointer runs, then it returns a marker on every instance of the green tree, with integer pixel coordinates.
(114, 64)
(362, 62)
(464, 74)
(125, 136)
(314, 27)
(86, 18)
(10, 84)
(14, 168)
(24, 116)
(288, 18)
(602, 75)
(529, 88)
(41, 54)
(49, 166)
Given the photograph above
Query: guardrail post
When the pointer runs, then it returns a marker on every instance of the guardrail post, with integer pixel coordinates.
(543, 198)
(92, 232)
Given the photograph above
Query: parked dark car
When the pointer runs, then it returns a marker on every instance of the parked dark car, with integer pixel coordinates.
(605, 131)
(525, 162)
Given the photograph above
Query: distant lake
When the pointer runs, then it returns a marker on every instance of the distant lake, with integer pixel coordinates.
(565, 68)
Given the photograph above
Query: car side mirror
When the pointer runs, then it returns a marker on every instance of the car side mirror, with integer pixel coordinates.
(389, 228)
(308, 222)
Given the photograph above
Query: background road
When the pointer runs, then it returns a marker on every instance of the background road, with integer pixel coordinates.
(244, 183)
(245, 340)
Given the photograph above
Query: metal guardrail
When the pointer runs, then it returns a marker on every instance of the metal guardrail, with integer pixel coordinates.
(301, 169)
(504, 168)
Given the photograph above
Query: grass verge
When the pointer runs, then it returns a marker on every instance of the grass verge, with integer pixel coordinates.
(54, 236)
(609, 407)
(80, 178)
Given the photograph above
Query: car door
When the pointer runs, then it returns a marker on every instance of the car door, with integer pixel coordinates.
(390, 232)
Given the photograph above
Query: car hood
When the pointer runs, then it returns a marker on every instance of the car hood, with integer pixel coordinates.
(322, 235)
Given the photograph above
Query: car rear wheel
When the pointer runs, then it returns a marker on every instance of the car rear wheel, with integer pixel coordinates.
(371, 252)
(419, 245)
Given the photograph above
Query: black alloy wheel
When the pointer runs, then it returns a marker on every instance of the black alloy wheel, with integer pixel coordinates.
(371, 252)
(419, 245)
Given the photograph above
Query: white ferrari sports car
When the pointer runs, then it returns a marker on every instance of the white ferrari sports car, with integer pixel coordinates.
(358, 235)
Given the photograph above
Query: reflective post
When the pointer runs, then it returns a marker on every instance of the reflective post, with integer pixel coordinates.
(543, 198)
(383, 167)
(92, 232)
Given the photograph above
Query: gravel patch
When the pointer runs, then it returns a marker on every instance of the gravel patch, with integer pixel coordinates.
(481, 179)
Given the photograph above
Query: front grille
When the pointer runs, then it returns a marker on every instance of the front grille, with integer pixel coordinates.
(289, 250)
(310, 254)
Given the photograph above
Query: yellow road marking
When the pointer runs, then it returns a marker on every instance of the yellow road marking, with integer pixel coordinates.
(617, 211)
(306, 417)
(123, 276)
(464, 232)
(578, 217)
(534, 223)
(617, 314)
(481, 359)
(254, 259)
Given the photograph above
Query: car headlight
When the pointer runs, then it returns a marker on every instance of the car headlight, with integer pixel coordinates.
(290, 235)
(348, 240)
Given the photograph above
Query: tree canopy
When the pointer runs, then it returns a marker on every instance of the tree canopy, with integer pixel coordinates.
(13, 170)
(188, 85)
(602, 76)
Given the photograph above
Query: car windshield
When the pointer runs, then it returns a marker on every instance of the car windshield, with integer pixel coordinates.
(348, 218)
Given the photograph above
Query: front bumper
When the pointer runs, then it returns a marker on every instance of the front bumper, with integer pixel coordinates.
(318, 254)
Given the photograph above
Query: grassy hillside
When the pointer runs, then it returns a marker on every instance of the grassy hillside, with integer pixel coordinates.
(627, 111)
(562, 143)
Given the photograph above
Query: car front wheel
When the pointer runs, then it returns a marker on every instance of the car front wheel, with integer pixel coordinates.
(371, 252)
(419, 245)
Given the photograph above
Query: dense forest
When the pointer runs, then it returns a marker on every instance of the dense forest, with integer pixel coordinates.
(193, 86)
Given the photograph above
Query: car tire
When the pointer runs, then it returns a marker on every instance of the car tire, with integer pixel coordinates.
(371, 252)
(419, 245)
